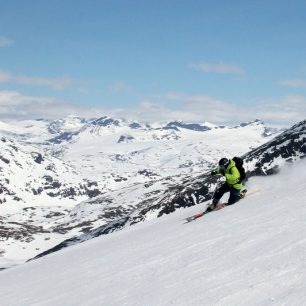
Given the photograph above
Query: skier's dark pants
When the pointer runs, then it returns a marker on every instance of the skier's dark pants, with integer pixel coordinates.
(234, 194)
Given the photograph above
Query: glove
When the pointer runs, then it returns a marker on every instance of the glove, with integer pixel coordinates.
(213, 173)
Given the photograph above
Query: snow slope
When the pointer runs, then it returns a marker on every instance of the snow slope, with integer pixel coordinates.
(49, 190)
(251, 253)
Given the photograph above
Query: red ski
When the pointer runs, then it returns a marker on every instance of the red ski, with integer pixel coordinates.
(201, 214)
(220, 206)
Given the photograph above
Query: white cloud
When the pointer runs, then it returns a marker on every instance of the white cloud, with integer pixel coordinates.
(147, 111)
(283, 112)
(218, 68)
(59, 83)
(296, 83)
(14, 105)
(203, 107)
(5, 42)
(200, 108)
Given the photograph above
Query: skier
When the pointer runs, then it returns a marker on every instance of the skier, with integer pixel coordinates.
(234, 173)
(233, 183)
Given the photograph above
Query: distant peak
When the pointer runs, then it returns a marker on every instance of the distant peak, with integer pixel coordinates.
(106, 121)
(135, 125)
(190, 126)
(254, 122)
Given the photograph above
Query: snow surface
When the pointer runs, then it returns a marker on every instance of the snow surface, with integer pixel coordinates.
(127, 173)
(251, 253)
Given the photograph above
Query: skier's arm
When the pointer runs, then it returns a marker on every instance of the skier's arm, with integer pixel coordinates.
(217, 171)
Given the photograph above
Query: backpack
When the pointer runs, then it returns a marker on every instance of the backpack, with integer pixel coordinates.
(239, 165)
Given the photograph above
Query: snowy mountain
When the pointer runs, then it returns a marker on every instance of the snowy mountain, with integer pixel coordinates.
(186, 191)
(108, 174)
(289, 146)
(251, 253)
(31, 176)
(189, 126)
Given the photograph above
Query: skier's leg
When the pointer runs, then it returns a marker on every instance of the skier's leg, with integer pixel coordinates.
(234, 196)
(219, 193)
(217, 196)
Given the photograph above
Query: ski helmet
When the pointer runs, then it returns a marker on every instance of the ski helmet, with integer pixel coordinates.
(223, 162)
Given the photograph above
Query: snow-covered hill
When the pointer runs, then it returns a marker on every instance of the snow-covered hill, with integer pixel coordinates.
(289, 146)
(154, 200)
(29, 175)
(49, 167)
(251, 253)
(108, 174)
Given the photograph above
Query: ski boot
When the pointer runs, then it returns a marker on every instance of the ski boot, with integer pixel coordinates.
(211, 207)
(243, 193)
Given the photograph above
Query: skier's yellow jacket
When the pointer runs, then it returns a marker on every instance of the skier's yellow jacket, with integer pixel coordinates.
(232, 175)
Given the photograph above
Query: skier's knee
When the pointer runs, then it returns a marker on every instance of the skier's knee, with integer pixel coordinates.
(234, 198)
(233, 201)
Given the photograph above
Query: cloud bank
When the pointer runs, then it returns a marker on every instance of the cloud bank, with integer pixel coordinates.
(59, 83)
(15, 106)
(200, 108)
(175, 106)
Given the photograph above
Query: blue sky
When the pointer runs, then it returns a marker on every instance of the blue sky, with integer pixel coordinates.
(221, 61)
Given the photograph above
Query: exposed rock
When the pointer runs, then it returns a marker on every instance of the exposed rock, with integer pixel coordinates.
(125, 138)
(4, 159)
(189, 126)
(37, 157)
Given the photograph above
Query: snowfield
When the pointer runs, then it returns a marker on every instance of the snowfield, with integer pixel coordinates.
(60, 179)
(251, 253)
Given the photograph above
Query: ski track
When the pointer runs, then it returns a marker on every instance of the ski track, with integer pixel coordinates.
(251, 253)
